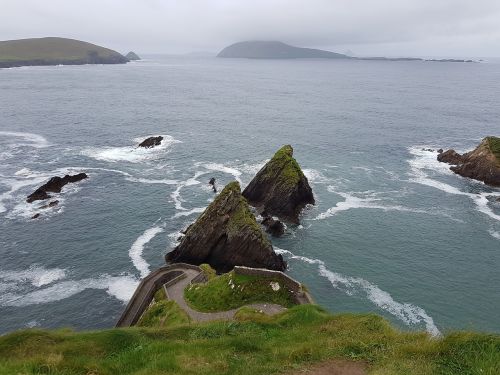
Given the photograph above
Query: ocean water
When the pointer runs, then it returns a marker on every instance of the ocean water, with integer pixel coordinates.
(393, 232)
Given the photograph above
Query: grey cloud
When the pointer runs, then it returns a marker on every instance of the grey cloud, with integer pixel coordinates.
(382, 27)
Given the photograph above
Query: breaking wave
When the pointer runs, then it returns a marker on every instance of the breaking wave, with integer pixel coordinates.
(35, 275)
(424, 160)
(406, 312)
(132, 154)
(27, 139)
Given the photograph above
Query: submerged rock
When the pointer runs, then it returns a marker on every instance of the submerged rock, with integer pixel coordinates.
(280, 188)
(54, 185)
(226, 235)
(274, 227)
(483, 163)
(151, 142)
(51, 204)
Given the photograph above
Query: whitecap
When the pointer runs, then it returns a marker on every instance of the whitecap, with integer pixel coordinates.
(408, 313)
(137, 248)
(494, 234)
(27, 139)
(367, 202)
(314, 176)
(120, 287)
(35, 275)
(176, 194)
(193, 211)
(132, 154)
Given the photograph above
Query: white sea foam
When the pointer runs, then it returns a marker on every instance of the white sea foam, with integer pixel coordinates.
(35, 275)
(314, 176)
(137, 248)
(406, 312)
(494, 234)
(424, 161)
(132, 154)
(27, 139)
(222, 168)
(193, 211)
(176, 194)
(121, 287)
(367, 202)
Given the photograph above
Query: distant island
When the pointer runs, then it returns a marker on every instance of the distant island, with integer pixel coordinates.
(132, 56)
(55, 51)
(280, 50)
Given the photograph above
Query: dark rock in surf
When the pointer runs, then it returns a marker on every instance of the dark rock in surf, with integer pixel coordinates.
(35, 216)
(274, 227)
(54, 185)
(226, 235)
(212, 182)
(440, 151)
(51, 204)
(280, 188)
(151, 142)
(450, 157)
(482, 163)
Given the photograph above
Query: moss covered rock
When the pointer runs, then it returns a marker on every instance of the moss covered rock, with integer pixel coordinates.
(227, 235)
(482, 163)
(280, 188)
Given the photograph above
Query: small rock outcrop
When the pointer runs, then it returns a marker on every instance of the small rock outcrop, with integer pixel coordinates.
(54, 185)
(483, 163)
(151, 142)
(132, 56)
(226, 235)
(274, 227)
(212, 183)
(280, 188)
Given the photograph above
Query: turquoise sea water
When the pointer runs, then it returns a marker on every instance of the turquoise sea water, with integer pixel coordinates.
(393, 232)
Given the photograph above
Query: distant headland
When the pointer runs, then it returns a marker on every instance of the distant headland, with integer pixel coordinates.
(279, 50)
(55, 51)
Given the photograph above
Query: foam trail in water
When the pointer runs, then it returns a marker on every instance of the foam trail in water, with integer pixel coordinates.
(176, 194)
(33, 140)
(222, 168)
(195, 210)
(406, 312)
(369, 202)
(314, 176)
(35, 275)
(137, 248)
(120, 287)
(427, 160)
(132, 154)
(494, 234)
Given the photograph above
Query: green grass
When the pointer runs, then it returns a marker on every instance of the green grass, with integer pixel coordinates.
(230, 291)
(51, 49)
(285, 168)
(254, 344)
(494, 145)
(163, 313)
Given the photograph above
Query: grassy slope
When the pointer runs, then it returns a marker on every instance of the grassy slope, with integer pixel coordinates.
(494, 145)
(255, 344)
(49, 49)
(218, 295)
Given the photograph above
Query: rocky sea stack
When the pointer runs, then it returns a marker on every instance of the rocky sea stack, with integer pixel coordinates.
(227, 235)
(151, 142)
(132, 56)
(483, 163)
(54, 185)
(280, 188)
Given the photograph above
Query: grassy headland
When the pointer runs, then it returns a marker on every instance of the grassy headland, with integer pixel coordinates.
(253, 344)
(54, 51)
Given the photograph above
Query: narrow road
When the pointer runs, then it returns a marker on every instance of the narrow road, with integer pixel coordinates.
(175, 292)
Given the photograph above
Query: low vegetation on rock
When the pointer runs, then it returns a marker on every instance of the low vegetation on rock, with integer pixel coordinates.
(230, 291)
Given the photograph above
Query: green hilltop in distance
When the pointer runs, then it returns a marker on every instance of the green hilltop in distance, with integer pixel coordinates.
(55, 51)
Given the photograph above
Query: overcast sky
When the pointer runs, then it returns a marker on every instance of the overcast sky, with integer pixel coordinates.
(447, 28)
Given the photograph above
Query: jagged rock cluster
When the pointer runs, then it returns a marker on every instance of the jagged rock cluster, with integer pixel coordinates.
(225, 235)
(483, 163)
(280, 188)
(54, 185)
